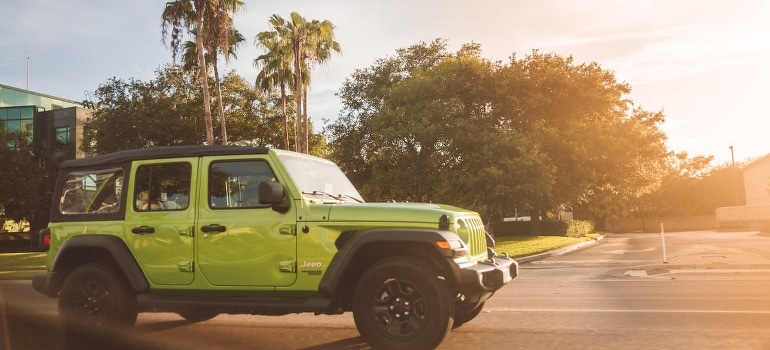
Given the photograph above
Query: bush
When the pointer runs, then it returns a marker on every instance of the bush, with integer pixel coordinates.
(579, 228)
(571, 228)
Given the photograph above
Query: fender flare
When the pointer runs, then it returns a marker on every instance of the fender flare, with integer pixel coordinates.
(351, 242)
(115, 247)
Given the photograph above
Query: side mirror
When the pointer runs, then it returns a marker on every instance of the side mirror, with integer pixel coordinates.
(271, 192)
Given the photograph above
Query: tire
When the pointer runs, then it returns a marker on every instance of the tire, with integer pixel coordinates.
(197, 316)
(465, 315)
(401, 303)
(93, 295)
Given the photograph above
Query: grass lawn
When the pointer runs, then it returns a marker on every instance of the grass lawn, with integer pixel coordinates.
(20, 266)
(519, 246)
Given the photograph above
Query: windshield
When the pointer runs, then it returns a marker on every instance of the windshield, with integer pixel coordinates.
(318, 178)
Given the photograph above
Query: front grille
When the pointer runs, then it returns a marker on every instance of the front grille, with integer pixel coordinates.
(471, 231)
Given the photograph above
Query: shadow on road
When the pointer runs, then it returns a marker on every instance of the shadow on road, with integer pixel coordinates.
(354, 343)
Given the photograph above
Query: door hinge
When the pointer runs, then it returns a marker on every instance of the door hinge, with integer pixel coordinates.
(188, 232)
(287, 266)
(288, 230)
(185, 266)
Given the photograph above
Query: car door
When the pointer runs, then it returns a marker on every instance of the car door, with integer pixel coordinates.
(160, 217)
(239, 241)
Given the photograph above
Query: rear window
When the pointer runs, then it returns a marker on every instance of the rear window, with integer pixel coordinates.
(92, 192)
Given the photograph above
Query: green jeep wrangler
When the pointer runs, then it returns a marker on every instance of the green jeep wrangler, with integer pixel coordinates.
(204, 230)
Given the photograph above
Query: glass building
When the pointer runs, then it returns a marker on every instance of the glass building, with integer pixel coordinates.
(53, 123)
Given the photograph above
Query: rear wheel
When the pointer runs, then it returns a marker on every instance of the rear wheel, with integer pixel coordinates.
(401, 303)
(92, 295)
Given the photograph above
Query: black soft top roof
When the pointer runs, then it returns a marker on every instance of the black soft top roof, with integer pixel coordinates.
(161, 152)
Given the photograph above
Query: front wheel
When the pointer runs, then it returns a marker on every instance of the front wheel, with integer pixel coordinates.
(402, 303)
(464, 314)
(198, 316)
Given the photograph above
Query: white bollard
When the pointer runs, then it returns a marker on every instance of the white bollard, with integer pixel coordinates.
(663, 241)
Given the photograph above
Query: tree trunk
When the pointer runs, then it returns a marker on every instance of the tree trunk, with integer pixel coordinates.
(204, 75)
(285, 118)
(305, 124)
(298, 99)
(222, 122)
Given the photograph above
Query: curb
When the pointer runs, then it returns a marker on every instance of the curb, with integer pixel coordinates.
(560, 251)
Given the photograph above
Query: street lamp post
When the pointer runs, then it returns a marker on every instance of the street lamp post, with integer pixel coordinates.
(735, 177)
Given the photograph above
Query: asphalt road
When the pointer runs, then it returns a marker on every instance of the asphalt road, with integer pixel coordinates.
(710, 293)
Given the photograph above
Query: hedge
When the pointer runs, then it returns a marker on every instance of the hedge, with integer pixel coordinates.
(570, 228)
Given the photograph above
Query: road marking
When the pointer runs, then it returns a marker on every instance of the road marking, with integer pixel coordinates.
(624, 251)
(590, 262)
(743, 312)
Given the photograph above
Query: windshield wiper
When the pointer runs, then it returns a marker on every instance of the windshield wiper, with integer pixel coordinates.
(351, 197)
(339, 197)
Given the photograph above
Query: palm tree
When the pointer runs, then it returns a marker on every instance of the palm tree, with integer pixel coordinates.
(190, 63)
(294, 46)
(309, 41)
(275, 68)
(211, 24)
(318, 51)
(224, 39)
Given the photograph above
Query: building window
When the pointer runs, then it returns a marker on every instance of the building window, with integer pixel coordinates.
(62, 138)
(17, 121)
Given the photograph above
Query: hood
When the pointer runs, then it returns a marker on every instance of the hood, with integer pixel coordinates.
(395, 212)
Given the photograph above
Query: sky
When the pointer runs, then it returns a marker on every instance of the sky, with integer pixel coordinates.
(703, 64)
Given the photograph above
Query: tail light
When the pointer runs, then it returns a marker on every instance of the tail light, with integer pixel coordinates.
(43, 241)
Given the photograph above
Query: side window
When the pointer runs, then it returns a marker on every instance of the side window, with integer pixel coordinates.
(162, 187)
(92, 192)
(235, 184)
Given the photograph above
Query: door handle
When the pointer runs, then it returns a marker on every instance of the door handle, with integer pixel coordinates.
(143, 230)
(213, 228)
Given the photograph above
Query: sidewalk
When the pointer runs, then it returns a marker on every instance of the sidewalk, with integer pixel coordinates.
(710, 257)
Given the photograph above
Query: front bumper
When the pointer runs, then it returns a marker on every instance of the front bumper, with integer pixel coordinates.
(489, 275)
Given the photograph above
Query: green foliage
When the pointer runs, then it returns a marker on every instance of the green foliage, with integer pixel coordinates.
(26, 179)
(538, 133)
(161, 112)
(563, 228)
(579, 228)
(690, 186)
(166, 112)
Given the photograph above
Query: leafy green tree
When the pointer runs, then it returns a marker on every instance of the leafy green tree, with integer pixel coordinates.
(161, 112)
(419, 127)
(536, 134)
(631, 168)
(579, 116)
(254, 116)
(165, 110)
(691, 186)
(353, 135)
(25, 197)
